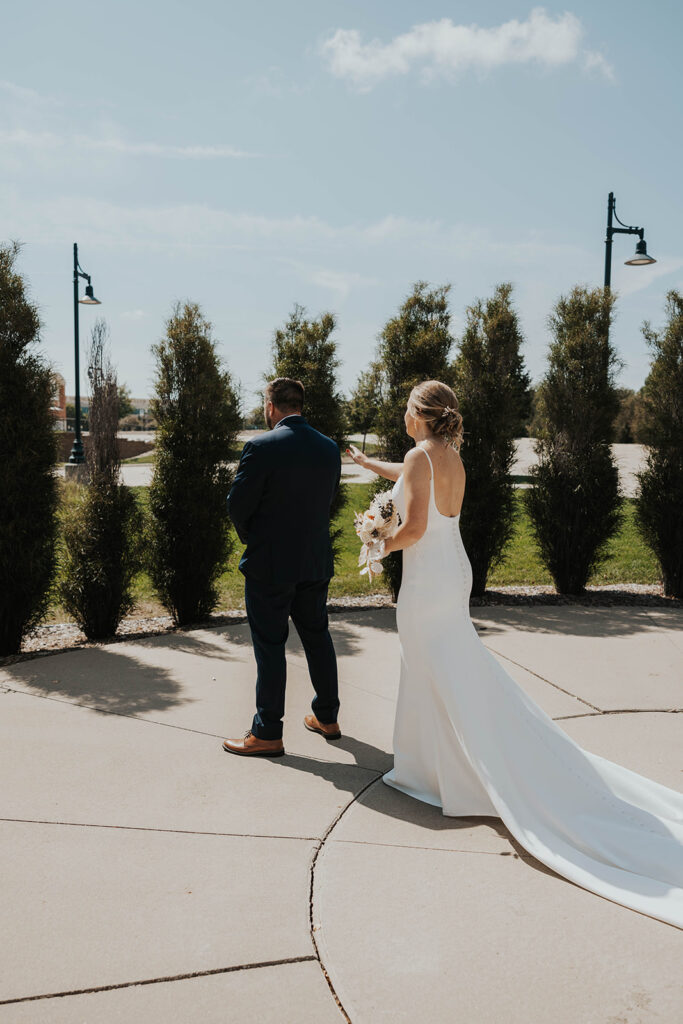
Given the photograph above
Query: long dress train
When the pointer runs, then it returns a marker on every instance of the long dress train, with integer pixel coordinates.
(469, 740)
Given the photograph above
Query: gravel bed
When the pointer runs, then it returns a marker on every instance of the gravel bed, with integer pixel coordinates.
(62, 636)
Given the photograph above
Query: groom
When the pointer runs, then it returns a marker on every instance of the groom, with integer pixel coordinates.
(280, 506)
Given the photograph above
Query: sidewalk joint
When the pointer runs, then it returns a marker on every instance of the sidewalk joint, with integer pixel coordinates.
(623, 711)
(162, 980)
(437, 849)
(311, 897)
(171, 725)
(172, 831)
(531, 672)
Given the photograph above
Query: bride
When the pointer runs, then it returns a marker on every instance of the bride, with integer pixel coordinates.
(468, 739)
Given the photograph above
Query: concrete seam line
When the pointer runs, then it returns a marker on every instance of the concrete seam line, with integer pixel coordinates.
(169, 831)
(668, 637)
(548, 681)
(162, 980)
(623, 711)
(110, 711)
(311, 896)
(167, 725)
(582, 714)
(437, 849)
(380, 696)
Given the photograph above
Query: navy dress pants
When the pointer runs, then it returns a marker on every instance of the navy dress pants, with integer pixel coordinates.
(269, 608)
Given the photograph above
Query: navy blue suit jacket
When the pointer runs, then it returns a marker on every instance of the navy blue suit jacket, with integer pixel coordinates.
(280, 503)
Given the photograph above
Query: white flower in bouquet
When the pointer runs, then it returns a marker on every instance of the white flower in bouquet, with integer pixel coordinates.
(376, 524)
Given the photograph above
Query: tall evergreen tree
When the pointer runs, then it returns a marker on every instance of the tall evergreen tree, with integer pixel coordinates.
(413, 346)
(304, 350)
(363, 405)
(197, 411)
(659, 505)
(28, 485)
(493, 392)
(101, 528)
(574, 502)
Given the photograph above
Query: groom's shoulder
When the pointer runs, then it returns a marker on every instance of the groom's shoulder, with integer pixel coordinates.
(324, 441)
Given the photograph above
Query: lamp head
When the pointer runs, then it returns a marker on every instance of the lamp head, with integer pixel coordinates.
(641, 258)
(89, 299)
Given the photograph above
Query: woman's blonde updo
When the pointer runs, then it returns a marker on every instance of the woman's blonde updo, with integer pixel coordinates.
(436, 404)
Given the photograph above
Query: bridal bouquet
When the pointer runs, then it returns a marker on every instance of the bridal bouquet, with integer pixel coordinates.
(373, 526)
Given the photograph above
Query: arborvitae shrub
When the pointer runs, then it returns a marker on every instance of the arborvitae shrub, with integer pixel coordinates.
(363, 405)
(305, 350)
(101, 524)
(574, 500)
(493, 393)
(28, 484)
(101, 528)
(197, 410)
(413, 346)
(659, 505)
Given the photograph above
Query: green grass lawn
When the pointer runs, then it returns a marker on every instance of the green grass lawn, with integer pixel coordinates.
(629, 561)
(141, 460)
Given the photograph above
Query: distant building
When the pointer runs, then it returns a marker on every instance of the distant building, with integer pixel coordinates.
(58, 407)
(140, 405)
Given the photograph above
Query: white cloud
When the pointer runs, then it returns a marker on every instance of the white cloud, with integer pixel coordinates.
(594, 61)
(133, 314)
(51, 140)
(315, 244)
(441, 47)
(340, 282)
(25, 96)
(273, 84)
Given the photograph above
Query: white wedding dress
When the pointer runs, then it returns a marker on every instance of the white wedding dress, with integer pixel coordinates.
(469, 740)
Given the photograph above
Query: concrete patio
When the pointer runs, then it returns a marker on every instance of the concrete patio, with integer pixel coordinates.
(149, 876)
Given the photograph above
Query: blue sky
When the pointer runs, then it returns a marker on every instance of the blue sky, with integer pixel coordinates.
(256, 155)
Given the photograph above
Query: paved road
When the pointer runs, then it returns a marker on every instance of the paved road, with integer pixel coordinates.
(630, 458)
(149, 876)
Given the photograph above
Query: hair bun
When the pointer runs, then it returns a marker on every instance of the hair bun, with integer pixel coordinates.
(435, 403)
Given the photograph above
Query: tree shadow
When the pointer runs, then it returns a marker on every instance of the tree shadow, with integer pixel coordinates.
(201, 639)
(567, 620)
(104, 678)
(204, 641)
(112, 678)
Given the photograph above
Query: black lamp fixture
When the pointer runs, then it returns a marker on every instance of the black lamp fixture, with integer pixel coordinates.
(89, 299)
(77, 456)
(641, 258)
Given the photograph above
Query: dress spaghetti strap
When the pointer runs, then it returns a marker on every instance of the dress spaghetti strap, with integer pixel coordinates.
(431, 465)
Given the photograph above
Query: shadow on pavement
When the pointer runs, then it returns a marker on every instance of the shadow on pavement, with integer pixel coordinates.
(384, 800)
(104, 678)
(571, 620)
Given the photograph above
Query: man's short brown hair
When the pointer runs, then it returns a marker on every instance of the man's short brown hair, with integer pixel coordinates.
(286, 394)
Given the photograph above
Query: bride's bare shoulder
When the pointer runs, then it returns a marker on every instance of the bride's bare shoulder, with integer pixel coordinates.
(414, 462)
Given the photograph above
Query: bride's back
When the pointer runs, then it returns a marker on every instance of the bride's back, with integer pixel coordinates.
(449, 477)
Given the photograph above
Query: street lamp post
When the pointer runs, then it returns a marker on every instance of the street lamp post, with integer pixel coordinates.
(77, 457)
(641, 257)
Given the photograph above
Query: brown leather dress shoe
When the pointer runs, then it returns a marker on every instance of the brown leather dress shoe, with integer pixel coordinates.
(330, 731)
(253, 746)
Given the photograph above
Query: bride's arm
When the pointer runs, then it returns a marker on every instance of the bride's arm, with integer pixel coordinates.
(416, 482)
(389, 470)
